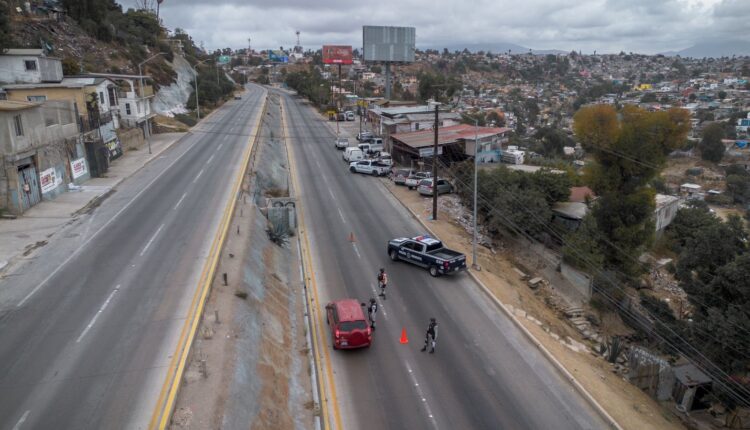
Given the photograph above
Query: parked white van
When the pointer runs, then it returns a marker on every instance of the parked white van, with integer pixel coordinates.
(353, 153)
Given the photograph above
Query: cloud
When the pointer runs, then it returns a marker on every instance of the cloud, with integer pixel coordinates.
(647, 26)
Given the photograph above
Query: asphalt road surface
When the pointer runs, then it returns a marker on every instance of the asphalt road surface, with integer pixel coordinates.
(87, 328)
(484, 375)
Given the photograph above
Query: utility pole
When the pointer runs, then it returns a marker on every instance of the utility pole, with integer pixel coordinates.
(143, 99)
(475, 264)
(434, 167)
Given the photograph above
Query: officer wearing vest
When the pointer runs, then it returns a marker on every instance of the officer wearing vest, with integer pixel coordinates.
(431, 336)
(372, 309)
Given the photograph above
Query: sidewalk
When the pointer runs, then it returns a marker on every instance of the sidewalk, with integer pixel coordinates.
(20, 236)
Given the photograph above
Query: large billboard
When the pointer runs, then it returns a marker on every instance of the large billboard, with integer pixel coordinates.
(388, 44)
(278, 56)
(337, 54)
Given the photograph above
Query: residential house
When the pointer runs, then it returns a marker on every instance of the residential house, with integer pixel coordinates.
(132, 100)
(29, 66)
(92, 105)
(40, 152)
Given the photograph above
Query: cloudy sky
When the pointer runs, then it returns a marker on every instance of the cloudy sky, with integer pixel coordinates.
(645, 26)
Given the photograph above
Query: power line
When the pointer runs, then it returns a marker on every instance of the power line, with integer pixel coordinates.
(653, 332)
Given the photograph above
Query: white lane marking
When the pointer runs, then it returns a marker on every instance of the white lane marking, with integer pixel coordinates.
(421, 395)
(219, 147)
(356, 250)
(331, 193)
(199, 175)
(341, 214)
(145, 248)
(99, 312)
(102, 228)
(22, 420)
(210, 159)
(181, 199)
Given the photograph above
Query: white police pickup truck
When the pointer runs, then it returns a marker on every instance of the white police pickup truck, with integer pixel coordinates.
(369, 167)
(427, 252)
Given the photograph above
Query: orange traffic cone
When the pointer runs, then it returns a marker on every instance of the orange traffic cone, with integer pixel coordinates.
(404, 339)
(351, 237)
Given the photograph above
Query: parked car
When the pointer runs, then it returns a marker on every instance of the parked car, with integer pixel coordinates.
(364, 136)
(427, 252)
(412, 181)
(349, 115)
(371, 147)
(237, 97)
(349, 327)
(353, 153)
(385, 158)
(341, 143)
(425, 187)
(400, 175)
(369, 167)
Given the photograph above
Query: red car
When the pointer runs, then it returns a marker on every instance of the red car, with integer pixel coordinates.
(349, 326)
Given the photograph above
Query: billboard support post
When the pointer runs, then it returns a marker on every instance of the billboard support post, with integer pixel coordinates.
(387, 80)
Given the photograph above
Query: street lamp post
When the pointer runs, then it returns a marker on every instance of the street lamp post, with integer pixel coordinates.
(475, 264)
(140, 77)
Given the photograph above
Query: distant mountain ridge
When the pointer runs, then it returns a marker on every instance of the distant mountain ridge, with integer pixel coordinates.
(495, 48)
(724, 48)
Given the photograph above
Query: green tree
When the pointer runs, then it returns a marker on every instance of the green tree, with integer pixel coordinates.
(70, 66)
(649, 98)
(738, 186)
(553, 141)
(629, 147)
(711, 147)
(6, 34)
(722, 95)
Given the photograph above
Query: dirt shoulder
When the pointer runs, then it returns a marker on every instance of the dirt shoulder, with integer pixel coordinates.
(629, 406)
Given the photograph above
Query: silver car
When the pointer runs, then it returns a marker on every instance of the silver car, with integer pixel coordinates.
(426, 185)
(342, 142)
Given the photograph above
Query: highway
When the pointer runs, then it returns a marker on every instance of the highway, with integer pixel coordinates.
(88, 328)
(484, 375)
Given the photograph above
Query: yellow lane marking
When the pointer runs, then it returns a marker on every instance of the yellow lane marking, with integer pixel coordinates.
(318, 323)
(163, 409)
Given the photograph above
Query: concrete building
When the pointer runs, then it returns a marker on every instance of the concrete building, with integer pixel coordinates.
(455, 142)
(40, 151)
(94, 104)
(29, 66)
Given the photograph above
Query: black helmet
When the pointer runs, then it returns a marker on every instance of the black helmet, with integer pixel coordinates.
(433, 320)
(372, 300)
(382, 269)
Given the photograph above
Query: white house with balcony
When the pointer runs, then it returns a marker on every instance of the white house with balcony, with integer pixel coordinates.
(133, 100)
(29, 66)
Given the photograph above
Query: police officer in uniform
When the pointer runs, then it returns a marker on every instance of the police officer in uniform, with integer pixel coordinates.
(430, 337)
(372, 310)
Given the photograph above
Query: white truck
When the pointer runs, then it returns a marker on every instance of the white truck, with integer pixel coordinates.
(369, 167)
